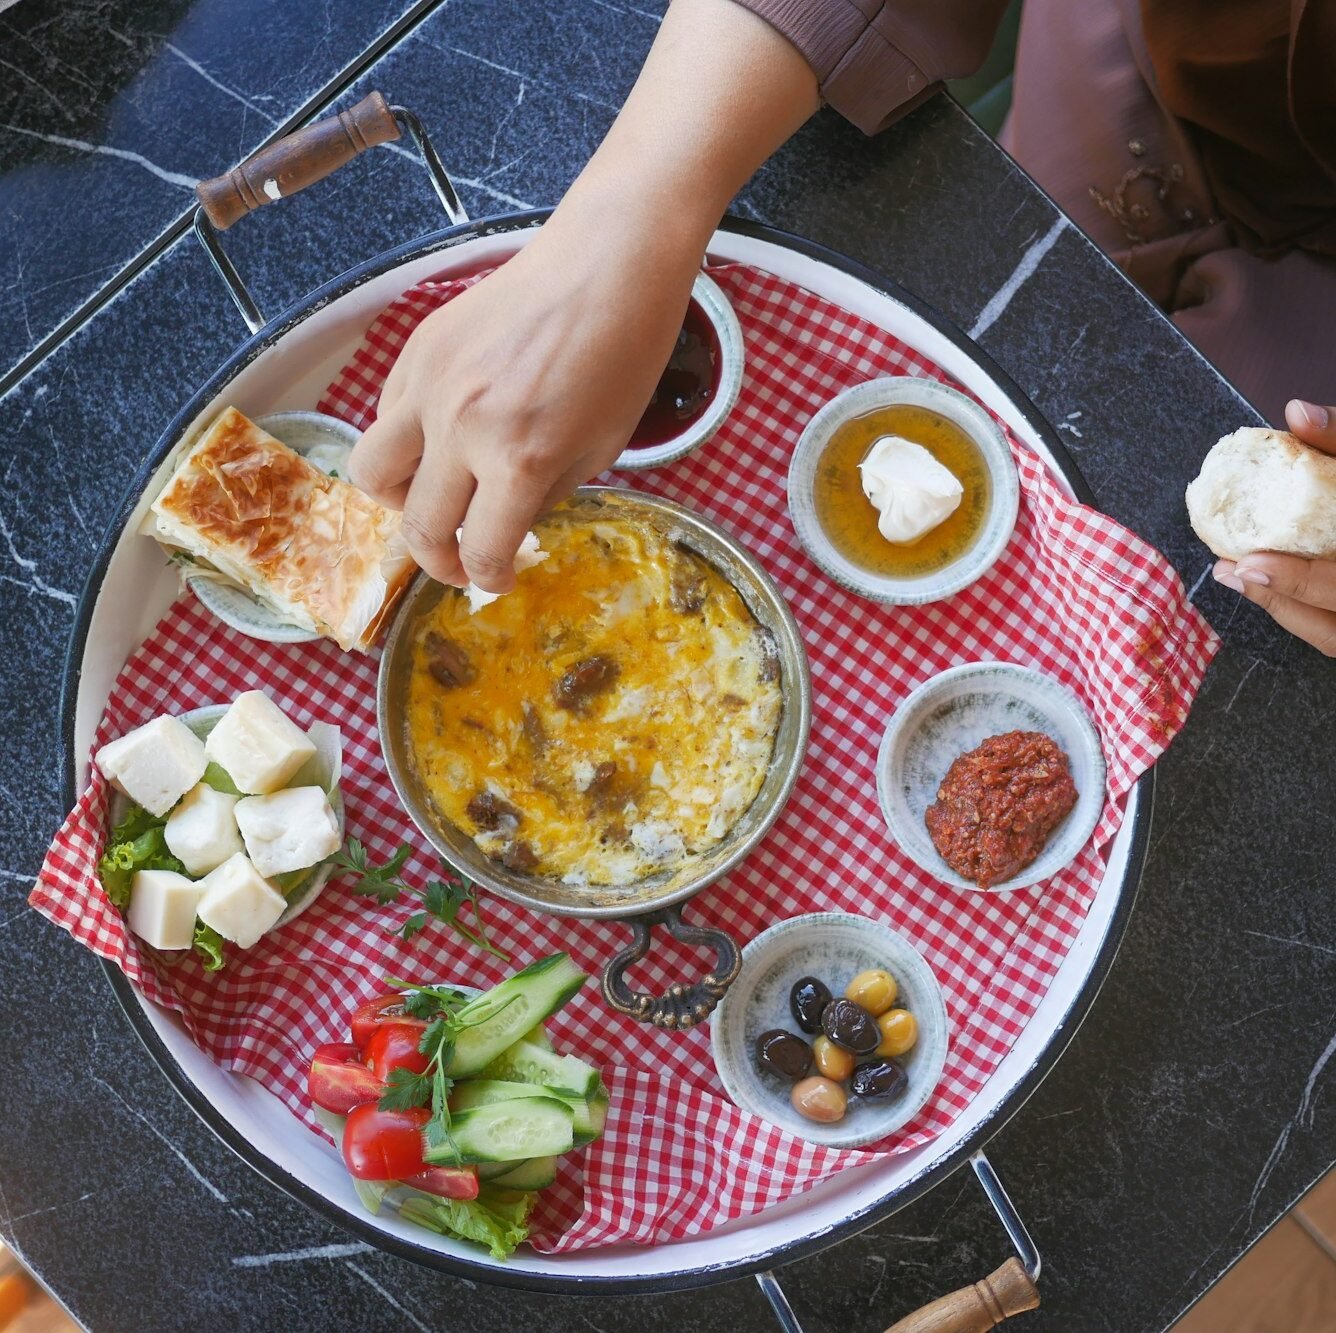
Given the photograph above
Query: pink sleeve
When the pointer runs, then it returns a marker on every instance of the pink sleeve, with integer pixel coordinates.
(877, 59)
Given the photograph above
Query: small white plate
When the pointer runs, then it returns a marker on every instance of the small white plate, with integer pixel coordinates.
(834, 947)
(202, 721)
(328, 442)
(956, 711)
(710, 297)
(1003, 504)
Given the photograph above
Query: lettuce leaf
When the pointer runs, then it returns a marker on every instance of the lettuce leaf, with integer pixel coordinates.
(209, 946)
(217, 778)
(136, 843)
(498, 1222)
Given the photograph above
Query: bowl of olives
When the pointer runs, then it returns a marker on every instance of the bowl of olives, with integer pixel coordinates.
(835, 1029)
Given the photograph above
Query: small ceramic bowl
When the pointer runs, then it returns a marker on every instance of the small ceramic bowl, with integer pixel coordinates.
(834, 947)
(954, 712)
(710, 297)
(999, 521)
(327, 441)
(202, 721)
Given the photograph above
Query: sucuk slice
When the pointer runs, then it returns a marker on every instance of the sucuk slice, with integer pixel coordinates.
(535, 1174)
(507, 1132)
(511, 1009)
(526, 1063)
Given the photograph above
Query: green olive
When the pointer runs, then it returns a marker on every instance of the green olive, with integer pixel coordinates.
(874, 989)
(833, 1061)
(819, 1099)
(899, 1032)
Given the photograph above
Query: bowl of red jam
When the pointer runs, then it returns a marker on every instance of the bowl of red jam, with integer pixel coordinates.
(698, 386)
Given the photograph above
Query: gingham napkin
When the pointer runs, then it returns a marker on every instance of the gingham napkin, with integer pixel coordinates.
(1075, 595)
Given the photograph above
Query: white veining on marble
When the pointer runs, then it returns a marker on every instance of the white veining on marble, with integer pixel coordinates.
(1201, 578)
(385, 1295)
(165, 1141)
(106, 150)
(34, 582)
(1302, 1117)
(1001, 298)
(191, 63)
(338, 1251)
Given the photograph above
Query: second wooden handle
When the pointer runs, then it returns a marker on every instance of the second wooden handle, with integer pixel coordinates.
(296, 161)
(976, 1309)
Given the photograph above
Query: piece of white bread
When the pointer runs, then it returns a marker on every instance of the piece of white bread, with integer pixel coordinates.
(314, 549)
(1265, 490)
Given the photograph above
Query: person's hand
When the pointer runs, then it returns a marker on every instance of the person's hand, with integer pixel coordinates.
(532, 381)
(1298, 594)
(516, 392)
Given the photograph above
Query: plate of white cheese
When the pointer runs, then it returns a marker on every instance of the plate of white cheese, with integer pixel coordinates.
(224, 822)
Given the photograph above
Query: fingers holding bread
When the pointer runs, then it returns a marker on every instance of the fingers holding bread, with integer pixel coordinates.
(1265, 502)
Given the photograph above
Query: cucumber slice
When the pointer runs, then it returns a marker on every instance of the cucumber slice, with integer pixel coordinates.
(485, 1091)
(502, 1015)
(538, 1037)
(525, 1063)
(490, 1170)
(535, 1174)
(507, 1132)
(590, 1113)
(590, 1117)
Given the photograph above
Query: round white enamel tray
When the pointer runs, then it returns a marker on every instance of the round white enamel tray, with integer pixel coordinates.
(287, 366)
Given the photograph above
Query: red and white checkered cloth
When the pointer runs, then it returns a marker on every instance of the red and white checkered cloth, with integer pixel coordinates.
(1075, 595)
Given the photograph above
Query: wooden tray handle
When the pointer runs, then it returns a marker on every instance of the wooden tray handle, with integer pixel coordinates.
(302, 158)
(976, 1309)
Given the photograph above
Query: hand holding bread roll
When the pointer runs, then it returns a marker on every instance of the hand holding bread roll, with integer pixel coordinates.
(1266, 502)
(1265, 490)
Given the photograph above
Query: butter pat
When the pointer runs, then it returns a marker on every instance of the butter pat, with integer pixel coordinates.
(238, 902)
(202, 831)
(156, 764)
(257, 745)
(910, 490)
(290, 830)
(529, 555)
(162, 908)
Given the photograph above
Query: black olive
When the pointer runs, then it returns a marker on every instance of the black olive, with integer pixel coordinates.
(807, 999)
(782, 1053)
(878, 1078)
(850, 1025)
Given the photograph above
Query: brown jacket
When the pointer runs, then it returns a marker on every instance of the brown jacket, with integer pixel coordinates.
(1253, 81)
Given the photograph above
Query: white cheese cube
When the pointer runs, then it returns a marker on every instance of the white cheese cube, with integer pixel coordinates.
(290, 830)
(238, 902)
(202, 831)
(257, 745)
(163, 906)
(156, 764)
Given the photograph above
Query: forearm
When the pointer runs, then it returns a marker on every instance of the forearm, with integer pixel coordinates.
(719, 92)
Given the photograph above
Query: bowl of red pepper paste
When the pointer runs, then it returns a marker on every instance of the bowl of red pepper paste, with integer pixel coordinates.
(991, 776)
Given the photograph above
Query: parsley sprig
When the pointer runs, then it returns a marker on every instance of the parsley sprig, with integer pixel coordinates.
(442, 899)
(448, 1013)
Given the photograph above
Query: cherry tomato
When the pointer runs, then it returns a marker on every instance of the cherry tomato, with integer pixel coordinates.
(384, 1145)
(383, 1009)
(394, 1046)
(449, 1182)
(338, 1080)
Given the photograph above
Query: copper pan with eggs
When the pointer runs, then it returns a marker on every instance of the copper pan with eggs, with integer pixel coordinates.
(282, 365)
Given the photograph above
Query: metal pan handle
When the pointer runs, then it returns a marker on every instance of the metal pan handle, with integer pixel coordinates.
(1007, 1291)
(681, 1006)
(290, 164)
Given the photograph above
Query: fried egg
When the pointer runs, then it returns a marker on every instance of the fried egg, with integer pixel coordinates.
(609, 719)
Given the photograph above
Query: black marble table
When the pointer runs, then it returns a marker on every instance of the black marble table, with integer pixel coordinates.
(1194, 1105)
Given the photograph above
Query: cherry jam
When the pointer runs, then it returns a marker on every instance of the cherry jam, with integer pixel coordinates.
(687, 386)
